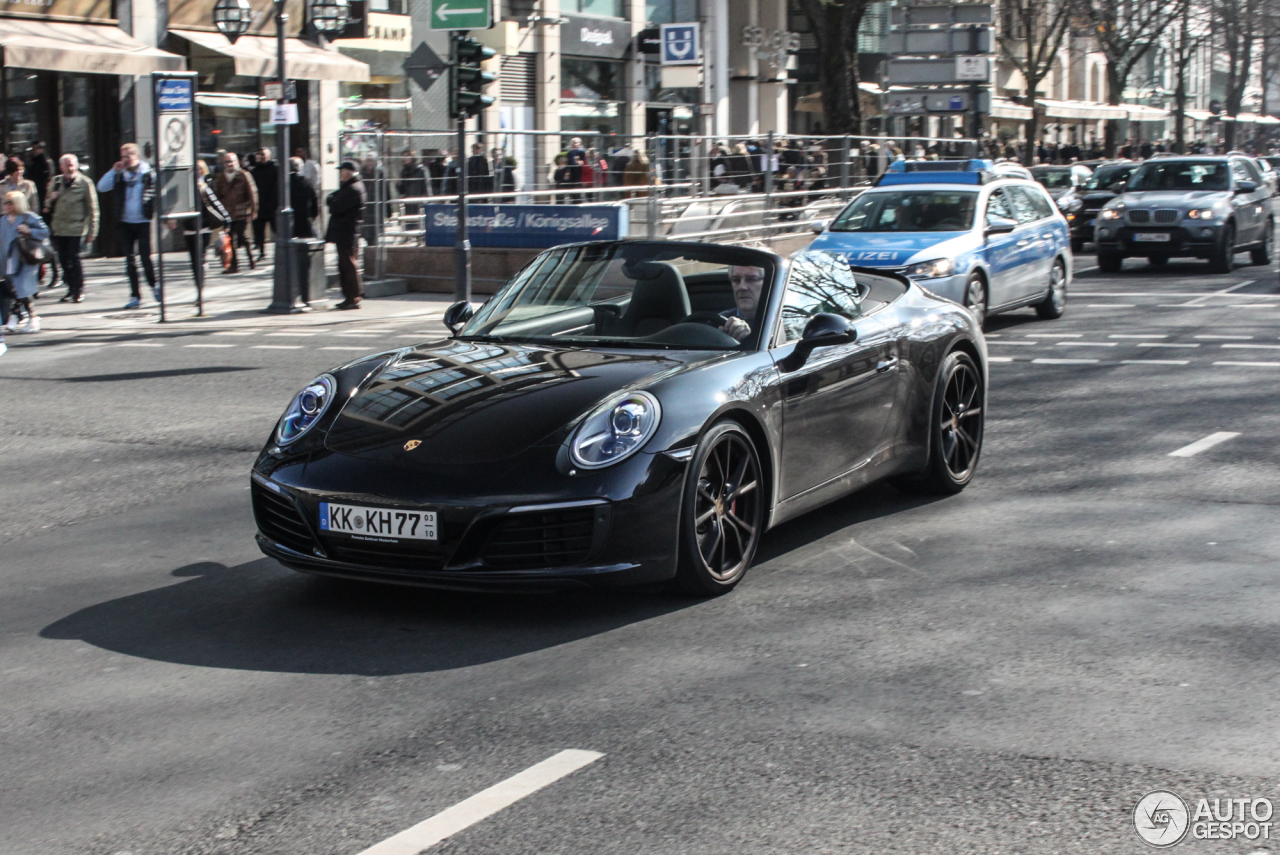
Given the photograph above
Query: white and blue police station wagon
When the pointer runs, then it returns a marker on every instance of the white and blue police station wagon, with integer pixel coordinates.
(961, 231)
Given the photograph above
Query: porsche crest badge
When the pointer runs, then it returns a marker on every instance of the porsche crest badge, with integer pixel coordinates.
(412, 444)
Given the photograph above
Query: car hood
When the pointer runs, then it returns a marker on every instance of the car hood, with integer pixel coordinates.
(889, 249)
(478, 402)
(1173, 198)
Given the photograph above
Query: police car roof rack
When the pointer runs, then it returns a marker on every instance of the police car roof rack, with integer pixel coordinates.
(938, 172)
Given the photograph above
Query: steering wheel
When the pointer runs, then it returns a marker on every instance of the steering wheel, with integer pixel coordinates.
(711, 319)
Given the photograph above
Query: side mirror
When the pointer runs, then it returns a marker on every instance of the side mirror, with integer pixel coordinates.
(999, 226)
(1246, 186)
(1117, 186)
(822, 330)
(819, 226)
(457, 315)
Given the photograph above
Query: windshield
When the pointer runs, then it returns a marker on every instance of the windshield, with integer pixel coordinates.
(909, 211)
(1054, 179)
(1108, 175)
(1180, 175)
(632, 295)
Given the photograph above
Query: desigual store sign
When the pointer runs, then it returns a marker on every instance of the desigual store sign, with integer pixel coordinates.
(602, 37)
(63, 10)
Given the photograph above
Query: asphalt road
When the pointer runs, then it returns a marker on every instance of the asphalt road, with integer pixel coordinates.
(1004, 671)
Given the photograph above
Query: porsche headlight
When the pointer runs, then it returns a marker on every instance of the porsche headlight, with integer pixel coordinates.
(305, 409)
(930, 269)
(1109, 214)
(615, 430)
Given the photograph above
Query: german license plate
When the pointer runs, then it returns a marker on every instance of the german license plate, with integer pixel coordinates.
(1151, 237)
(380, 523)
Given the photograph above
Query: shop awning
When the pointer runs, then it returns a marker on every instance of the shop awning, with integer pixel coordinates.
(255, 56)
(1003, 108)
(1080, 110)
(1198, 115)
(1143, 113)
(82, 48)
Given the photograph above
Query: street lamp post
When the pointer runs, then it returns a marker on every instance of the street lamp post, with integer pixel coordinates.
(232, 18)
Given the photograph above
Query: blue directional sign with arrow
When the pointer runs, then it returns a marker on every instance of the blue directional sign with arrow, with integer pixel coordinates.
(461, 14)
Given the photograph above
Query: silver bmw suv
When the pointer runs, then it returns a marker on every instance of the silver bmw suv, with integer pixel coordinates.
(1197, 207)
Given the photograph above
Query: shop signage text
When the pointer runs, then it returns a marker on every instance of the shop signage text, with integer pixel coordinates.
(526, 225)
(386, 32)
(583, 36)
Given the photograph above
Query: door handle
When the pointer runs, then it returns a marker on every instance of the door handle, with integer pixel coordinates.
(1023, 242)
(886, 365)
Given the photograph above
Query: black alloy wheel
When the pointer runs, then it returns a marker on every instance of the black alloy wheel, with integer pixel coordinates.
(722, 514)
(1224, 256)
(1054, 303)
(1262, 253)
(955, 431)
(975, 297)
(1109, 261)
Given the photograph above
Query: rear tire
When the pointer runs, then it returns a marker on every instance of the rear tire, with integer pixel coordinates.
(1109, 261)
(1262, 254)
(955, 429)
(722, 513)
(1054, 303)
(1224, 257)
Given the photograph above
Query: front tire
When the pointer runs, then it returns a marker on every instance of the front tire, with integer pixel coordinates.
(1262, 254)
(1109, 261)
(975, 298)
(722, 514)
(1054, 303)
(955, 428)
(1224, 257)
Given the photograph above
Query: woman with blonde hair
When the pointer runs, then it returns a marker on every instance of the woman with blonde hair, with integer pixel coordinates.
(22, 279)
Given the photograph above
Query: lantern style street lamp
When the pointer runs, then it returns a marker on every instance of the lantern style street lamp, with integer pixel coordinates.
(232, 18)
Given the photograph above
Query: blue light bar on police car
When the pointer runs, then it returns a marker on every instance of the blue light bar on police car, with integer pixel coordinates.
(938, 172)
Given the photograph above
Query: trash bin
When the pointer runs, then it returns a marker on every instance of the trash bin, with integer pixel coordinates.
(308, 254)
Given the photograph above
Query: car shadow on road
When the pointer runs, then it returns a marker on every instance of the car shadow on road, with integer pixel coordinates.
(258, 616)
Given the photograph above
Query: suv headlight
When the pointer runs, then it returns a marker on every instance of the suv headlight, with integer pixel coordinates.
(930, 269)
(1202, 214)
(305, 409)
(615, 430)
(1109, 214)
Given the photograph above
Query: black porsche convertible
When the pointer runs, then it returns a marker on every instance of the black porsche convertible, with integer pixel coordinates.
(623, 413)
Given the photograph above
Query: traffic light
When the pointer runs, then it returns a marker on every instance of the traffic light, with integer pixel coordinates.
(468, 81)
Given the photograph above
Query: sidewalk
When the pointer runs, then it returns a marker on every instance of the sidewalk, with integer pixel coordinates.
(230, 301)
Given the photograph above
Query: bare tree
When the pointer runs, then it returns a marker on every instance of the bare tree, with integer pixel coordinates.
(1188, 38)
(1125, 30)
(1238, 26)
(1030, 35)
(835, 26)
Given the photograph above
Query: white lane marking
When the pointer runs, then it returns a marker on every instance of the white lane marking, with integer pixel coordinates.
(424, 335)
(237, 332)
(1087, 343)
(1238, 287)
(1130, 335)
(1187, 306)
(1154, 294)
(1155, 362)
(1110, 306)
(484, 804)
(357, 334)
(1199, 300)
(1016, 343)
(1055, 335)
(1254, 346)
(1063, 361)
(208, 345)
(1258, 364)
(1213, 337)
(139, 344)
(276, 347)
(335, 347)
(294, 334)
(1201, 444)
(999, 359)
(1163, 344)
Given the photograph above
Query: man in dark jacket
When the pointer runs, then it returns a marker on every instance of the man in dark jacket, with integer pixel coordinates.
(478, 177)
(302, 198)
(345, 207)
(267, 178)
(412, 183)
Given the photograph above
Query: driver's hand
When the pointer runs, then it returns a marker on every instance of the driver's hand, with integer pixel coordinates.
(737, 327)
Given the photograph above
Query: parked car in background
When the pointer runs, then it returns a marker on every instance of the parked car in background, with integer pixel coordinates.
(1209, 207)
(1081, 205)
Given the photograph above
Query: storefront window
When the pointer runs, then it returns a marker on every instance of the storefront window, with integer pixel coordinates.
(604, 8)
(381, 103)
(393, 7)
(21, 108)
(591, 79)
(670, 11)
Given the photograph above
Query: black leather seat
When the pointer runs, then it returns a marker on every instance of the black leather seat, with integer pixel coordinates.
(658, 300)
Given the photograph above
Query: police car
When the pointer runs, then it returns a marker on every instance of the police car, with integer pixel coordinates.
(962, 231)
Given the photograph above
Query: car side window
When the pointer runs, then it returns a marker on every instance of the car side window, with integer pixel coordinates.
(998, 206)
(817, 282)
(1239, 172)
(1044, 208)
(1254, 174)
(1024, 208)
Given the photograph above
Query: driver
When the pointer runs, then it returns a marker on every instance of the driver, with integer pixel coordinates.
(747, 284)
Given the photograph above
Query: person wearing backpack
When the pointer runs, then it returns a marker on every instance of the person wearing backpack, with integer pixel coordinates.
(72, 208)
(19, 229)
(134, 184)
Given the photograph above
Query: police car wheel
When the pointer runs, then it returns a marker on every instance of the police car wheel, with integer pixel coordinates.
(975, 297)
(1054, 303)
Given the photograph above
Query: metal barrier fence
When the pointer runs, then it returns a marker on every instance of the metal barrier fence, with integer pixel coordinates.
(723, 189)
